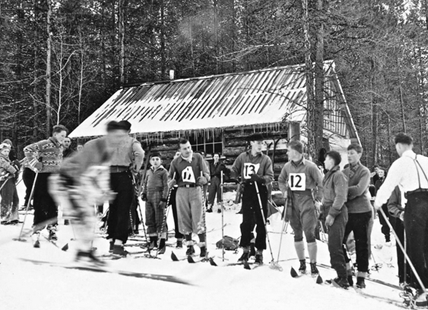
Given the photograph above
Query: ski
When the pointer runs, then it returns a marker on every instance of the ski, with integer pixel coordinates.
(143, 275)
(394, 286)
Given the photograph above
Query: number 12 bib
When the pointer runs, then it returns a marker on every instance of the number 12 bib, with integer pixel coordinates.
(297, 181)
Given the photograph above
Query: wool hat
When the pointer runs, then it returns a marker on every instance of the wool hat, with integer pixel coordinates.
(155, 154)
(255, 137)
(335, 156)
(8, 142)
(113, 125)
(125, 124)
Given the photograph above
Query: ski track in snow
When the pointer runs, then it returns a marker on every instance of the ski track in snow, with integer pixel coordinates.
(24, 285)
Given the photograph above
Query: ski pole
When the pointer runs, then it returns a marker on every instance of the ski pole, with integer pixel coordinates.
(282, 233)
(406, 257)
(166, 211)
(222, 216)
(405, 260)
(273, 264)
(28, 204)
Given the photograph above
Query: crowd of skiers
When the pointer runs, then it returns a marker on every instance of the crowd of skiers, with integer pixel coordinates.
(317, 196)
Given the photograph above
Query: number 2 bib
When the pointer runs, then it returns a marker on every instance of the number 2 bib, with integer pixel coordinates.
(297, 181)
(187, 175)
(250, 169)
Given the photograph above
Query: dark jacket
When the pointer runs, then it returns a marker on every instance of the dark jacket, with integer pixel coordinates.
(335, 192)
(394, 203)
(156, 180)
(215, 170)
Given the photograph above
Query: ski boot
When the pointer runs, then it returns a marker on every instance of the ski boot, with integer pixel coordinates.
(190, 250)
(111, 245)
(52, 233)
(179, 243)
(341, 282)
(152, 243)
(89, 258)
(314, 269)
(119, 249)
(203, 253)
(360, 282)
(259, 258)
(36, 239)
(209, 208)
(244, 257)
(302, 268)
(162, 246)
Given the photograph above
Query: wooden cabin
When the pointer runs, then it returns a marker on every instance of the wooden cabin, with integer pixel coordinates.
(216, 113)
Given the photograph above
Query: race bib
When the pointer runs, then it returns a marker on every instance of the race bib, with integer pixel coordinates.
(297, 181)
(187, 175)
(250, 169)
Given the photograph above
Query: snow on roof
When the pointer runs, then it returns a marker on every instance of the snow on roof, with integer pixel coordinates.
(211, 102)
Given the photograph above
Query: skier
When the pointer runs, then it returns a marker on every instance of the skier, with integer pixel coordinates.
(8, 193)
(216, 167)
(126, 160)
(83, 182)
(253, 167)
(301, 184)
(359, 212)
(155, 194)
(191, 174)
(410, 173)
(47, 157)
(335, 214)
(384, 225)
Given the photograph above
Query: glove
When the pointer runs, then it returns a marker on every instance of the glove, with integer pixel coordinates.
(202, 181)
(144, 197)
(256, 178)
(37, 167)
(172, 183)
(329, 221)
(318, 206)
(17, 163)
(401, 217)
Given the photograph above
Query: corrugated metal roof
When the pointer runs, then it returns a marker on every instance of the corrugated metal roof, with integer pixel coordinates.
(210, 102)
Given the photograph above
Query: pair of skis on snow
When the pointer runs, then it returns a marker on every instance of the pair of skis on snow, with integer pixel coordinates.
(191, 260)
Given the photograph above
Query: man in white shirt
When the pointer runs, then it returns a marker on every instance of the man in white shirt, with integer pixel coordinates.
(410, 173)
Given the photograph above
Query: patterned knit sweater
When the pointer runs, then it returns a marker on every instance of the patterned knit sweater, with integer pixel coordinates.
(47, 152)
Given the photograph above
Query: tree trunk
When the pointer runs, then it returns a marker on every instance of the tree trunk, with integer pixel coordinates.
(162, 40)
(121, 22)
(319, 83)
(48, 68)
(35, 77)
(374, 115)
(309, 78)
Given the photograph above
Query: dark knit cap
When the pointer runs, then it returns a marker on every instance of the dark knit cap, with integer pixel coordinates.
(403, 138)
(155, 154)
(296, 145)
(335, 156)
(255, 137)
(126, 125)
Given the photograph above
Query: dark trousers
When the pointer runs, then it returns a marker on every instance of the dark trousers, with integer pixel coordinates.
(399, 230)
(384, 225)
(173, 203)
(44, 206)
(119, 210)
(214, 190)
(251, 216)
(358, 223)
(415, 221)
(28, 178)
(336, 232)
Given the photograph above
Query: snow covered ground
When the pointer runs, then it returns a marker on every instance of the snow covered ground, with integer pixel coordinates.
(27, 286)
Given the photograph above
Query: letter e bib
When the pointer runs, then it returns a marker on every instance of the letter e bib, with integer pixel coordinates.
(297, 181)
(249, 169)
(187, 175)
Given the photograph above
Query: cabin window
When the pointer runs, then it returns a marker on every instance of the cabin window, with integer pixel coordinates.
(207, 142)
